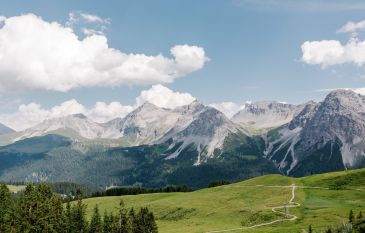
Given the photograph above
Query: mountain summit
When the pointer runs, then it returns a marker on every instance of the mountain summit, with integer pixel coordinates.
(326, 136)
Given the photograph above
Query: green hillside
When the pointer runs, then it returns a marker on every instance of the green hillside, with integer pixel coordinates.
(250, 202)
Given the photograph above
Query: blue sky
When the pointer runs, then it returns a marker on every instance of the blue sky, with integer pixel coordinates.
(254, 47)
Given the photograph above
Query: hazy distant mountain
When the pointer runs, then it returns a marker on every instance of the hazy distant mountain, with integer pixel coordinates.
(73, 126)
(5, 130)
(265, 115)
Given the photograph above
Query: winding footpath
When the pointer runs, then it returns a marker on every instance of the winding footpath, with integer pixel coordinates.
(276, 209)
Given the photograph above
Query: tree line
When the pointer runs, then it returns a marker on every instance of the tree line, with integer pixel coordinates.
(37, 209)
(121, 191)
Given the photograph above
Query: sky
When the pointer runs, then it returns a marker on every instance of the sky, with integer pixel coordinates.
(106, 58)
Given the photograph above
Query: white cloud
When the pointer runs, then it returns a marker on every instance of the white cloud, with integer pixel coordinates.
(93, 18)
(103, 112)
(89, 24)
(228, 108)
(31, 114)
(332, 52)
(76, 17)
(164, 97)
(352, 27)
(40, 55)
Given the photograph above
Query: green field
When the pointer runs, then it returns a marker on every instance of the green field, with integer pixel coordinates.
(16, 188)
(246, 204)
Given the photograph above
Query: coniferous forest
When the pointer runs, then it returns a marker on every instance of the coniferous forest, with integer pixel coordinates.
(38, 209)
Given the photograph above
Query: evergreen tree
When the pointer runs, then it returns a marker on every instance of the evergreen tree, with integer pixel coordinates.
(79, 222)
(359, 216)
(145, 222)
(68, 218)
(124, 226)
(133, 223)
(5, 209)
(351, 216)
(114, 221)
(359, 225)
(40, 210)
(96, 225)
(310, 229)
(107, 223)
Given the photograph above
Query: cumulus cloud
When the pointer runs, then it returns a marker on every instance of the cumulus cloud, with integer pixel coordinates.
(228, 108)
(31, 114)
(103, 112)
(352, 27)
(332, 52)
(39, 55)
(164, 97)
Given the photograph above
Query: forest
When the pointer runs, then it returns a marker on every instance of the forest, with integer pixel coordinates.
(37, 209)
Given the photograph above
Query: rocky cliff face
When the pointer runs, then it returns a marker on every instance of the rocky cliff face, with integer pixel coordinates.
(326, 136)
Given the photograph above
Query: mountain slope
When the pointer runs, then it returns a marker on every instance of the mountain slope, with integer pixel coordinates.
(324, 137)
(5, 130)
(207, 130)
(265, 114)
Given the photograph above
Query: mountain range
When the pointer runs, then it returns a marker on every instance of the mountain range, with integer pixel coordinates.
(193, 144)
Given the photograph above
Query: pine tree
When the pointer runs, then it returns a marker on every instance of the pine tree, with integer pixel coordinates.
(96, 223)
(68, 218)
(310, 229)
(107, 223)
(145, 222)
(133, 223)
(359, 216)
(39, 210)
(5, 209)
(114, 221)
(359, 224)
(124, 226)
(79, 222)
(351, 216)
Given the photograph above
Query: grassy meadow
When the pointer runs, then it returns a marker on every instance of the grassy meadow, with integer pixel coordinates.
(245, 204)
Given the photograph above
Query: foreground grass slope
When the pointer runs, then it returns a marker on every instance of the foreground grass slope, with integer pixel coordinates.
(248, 203)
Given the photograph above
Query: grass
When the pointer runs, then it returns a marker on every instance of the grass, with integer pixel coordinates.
(234, 205)
(16, 188)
